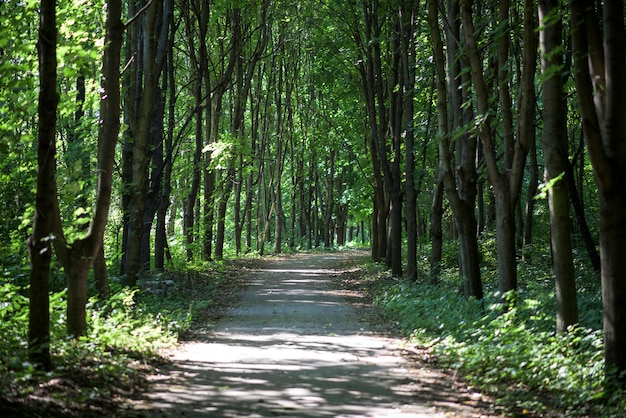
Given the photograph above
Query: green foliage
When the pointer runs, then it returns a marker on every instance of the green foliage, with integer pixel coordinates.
(512, 351)
(544, 188)
(121, 333)
(13, 317)
(18, 108)
(119, 323)
(184, 295)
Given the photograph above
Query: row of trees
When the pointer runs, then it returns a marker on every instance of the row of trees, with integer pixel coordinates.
(230, 138)
(287, 123)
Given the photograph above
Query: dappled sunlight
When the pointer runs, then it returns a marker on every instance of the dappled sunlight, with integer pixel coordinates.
(292, 347)
(319, 375)
(303, 272)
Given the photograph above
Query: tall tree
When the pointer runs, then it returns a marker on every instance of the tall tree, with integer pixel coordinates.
(506, 179)
(169, 87)
(407, 22)
(554, 141)
(375, 96)
(196, 16)
(462, 197)
(251, 49)
(40, 242)
(75, 256)
(217, 82)
(147, 46)
(160, 159)
(599, 66)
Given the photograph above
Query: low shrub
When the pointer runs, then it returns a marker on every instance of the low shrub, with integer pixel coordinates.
(510, 350)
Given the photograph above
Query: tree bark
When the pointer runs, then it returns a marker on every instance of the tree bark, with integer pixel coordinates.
(376, 109)
(531, 193)
(100, 275)
(40, 241)
(77, 257)
(407, 28)
(460, 186)
(161, 233)
(506, 183)
(554, 142)
(196, 16)
(141, 105)
(599, 62)
(436, 234)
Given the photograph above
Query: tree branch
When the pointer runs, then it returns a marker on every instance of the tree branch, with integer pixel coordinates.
(138, 14)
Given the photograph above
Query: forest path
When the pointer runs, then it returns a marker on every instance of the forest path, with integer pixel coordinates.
(294, 347)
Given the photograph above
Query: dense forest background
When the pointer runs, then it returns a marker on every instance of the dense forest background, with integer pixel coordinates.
(476, 147)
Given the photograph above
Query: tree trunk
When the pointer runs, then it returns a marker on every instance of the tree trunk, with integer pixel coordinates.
(227, 187)
(599, 60)
(40, 241)
(142, 95)
(199, 64)
(505, 237)
(237, 212)
(460, 187)
(196, 177)
(506, 183)
(554, 141)
(155, 189)
(407, 29)
(436, 234)
(78, 257)
(529, 210)
(160, 239)
(377, 113)
(329, 200)
(100, 275)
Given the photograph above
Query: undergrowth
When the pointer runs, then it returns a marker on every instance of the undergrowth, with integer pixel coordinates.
(97, 373)
(509, 350)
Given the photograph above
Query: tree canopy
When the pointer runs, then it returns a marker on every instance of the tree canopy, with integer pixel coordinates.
(146, 136)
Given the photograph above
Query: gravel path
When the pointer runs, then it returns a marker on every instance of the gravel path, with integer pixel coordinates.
(294, 347)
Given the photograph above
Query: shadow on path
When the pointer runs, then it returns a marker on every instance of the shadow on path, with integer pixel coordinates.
(294, 347)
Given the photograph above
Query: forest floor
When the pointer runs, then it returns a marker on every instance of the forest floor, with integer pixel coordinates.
(304, 341)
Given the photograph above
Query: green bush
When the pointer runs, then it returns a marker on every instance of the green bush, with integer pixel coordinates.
(511, 351)
(122, 337)
(119, 323)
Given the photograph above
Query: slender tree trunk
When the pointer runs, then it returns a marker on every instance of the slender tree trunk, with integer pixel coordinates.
(377, 113)
(199, 64)
(101, 275)
(599, 59)
(196, 177)
(142, 95)
(329, 200)
(40, 242)
(154, 191)
(460, 187)
(436, 234)
(554, 143)
(160, 239)
(505, 237)
(77, 257)
(408, 74)
(506, 183)
(579, 210)
(222, 205)
(529, 210)
(237, 212)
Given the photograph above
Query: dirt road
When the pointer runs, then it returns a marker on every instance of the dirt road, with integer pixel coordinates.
(294, 347)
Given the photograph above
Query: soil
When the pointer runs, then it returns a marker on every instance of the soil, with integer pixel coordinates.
(299, 344)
